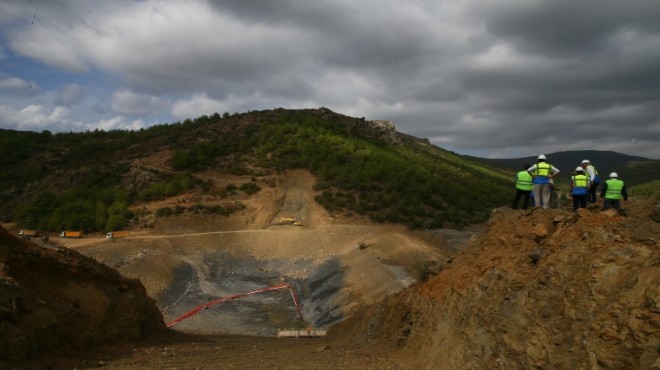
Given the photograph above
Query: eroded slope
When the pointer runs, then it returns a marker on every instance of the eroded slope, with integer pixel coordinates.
(540, 289)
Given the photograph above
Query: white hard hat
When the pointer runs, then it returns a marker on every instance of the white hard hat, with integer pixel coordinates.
(585, 161)
(542, 156)
(579, 169)
(614, 174)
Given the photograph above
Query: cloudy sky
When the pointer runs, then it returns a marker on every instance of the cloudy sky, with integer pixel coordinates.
(498, 79)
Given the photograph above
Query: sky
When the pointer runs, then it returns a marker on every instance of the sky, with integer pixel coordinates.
(494, 79)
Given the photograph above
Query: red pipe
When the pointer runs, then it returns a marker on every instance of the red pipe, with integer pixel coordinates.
(199, 308)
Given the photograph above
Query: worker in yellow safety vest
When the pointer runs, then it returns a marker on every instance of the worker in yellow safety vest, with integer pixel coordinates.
(523, 188)
(612, 191)
(580, 183)
(542, 174)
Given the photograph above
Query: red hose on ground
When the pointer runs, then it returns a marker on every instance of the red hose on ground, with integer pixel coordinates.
(199, 308)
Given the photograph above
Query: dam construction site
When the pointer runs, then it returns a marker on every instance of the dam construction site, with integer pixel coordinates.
(544, 289)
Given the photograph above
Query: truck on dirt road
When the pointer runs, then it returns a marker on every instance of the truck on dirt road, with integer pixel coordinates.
(27, 234)
(71, 234)
(117, 234)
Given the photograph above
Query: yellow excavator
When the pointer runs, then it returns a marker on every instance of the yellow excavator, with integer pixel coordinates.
(289, 221)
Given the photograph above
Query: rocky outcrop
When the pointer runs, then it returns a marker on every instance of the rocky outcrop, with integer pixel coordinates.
(378, 129)
(542, 289)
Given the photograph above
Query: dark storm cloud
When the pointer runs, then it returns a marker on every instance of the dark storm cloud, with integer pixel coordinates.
(562, 27)
(559, 74)
(492, 78)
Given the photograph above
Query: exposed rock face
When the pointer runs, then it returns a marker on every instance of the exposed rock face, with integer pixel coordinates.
(56, 300)
(379, 129)
(384, 130)
(546, 289)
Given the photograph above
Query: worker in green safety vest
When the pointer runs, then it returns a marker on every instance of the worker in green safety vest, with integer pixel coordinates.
(523, 188)
(612, 191)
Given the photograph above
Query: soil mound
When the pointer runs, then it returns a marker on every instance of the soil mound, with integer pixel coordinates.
(57, 300)
(548, 289)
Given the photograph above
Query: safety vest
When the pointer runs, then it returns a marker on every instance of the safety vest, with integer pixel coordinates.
(543, 169)
(580, 181)
(614, 187)
(580, 184)
(524, 181)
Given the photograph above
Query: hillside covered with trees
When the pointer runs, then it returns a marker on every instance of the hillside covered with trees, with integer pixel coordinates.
(83, 180)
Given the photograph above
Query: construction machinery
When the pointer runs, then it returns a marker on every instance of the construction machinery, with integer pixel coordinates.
(289, 221)
(308, 332)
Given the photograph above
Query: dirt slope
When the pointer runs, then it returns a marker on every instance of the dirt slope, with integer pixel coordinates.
(56, 300)
(539, 290)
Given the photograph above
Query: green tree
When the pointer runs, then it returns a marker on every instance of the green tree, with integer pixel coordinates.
(182, 160)
(118, 216)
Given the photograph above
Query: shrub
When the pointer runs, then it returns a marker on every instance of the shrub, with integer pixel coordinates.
(164, 212)
(249, 188)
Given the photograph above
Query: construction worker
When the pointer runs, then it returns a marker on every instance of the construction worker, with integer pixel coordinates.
(523, 187)
(580, 183)
(612, 191)
(593, 177)
(542, 172)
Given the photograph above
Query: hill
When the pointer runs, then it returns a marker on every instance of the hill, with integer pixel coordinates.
(633, 169)
(96, 181)
(650, 190)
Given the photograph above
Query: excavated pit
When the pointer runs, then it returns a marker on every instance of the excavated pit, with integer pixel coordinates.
(220, 274)
(334, 270)
(335, 264)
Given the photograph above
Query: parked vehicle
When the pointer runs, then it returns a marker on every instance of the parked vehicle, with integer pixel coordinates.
(71, 234)
(27, 234)
(117, 234)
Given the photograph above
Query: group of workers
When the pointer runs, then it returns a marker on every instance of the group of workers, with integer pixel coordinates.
(536, 183)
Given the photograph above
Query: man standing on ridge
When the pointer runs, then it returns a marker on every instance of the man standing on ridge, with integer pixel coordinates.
(523, 187)
(580, 188)
(593, 177)
(541, 174)
(612, 190)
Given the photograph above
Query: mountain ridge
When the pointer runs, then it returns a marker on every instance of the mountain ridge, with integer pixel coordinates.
(634, 170)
